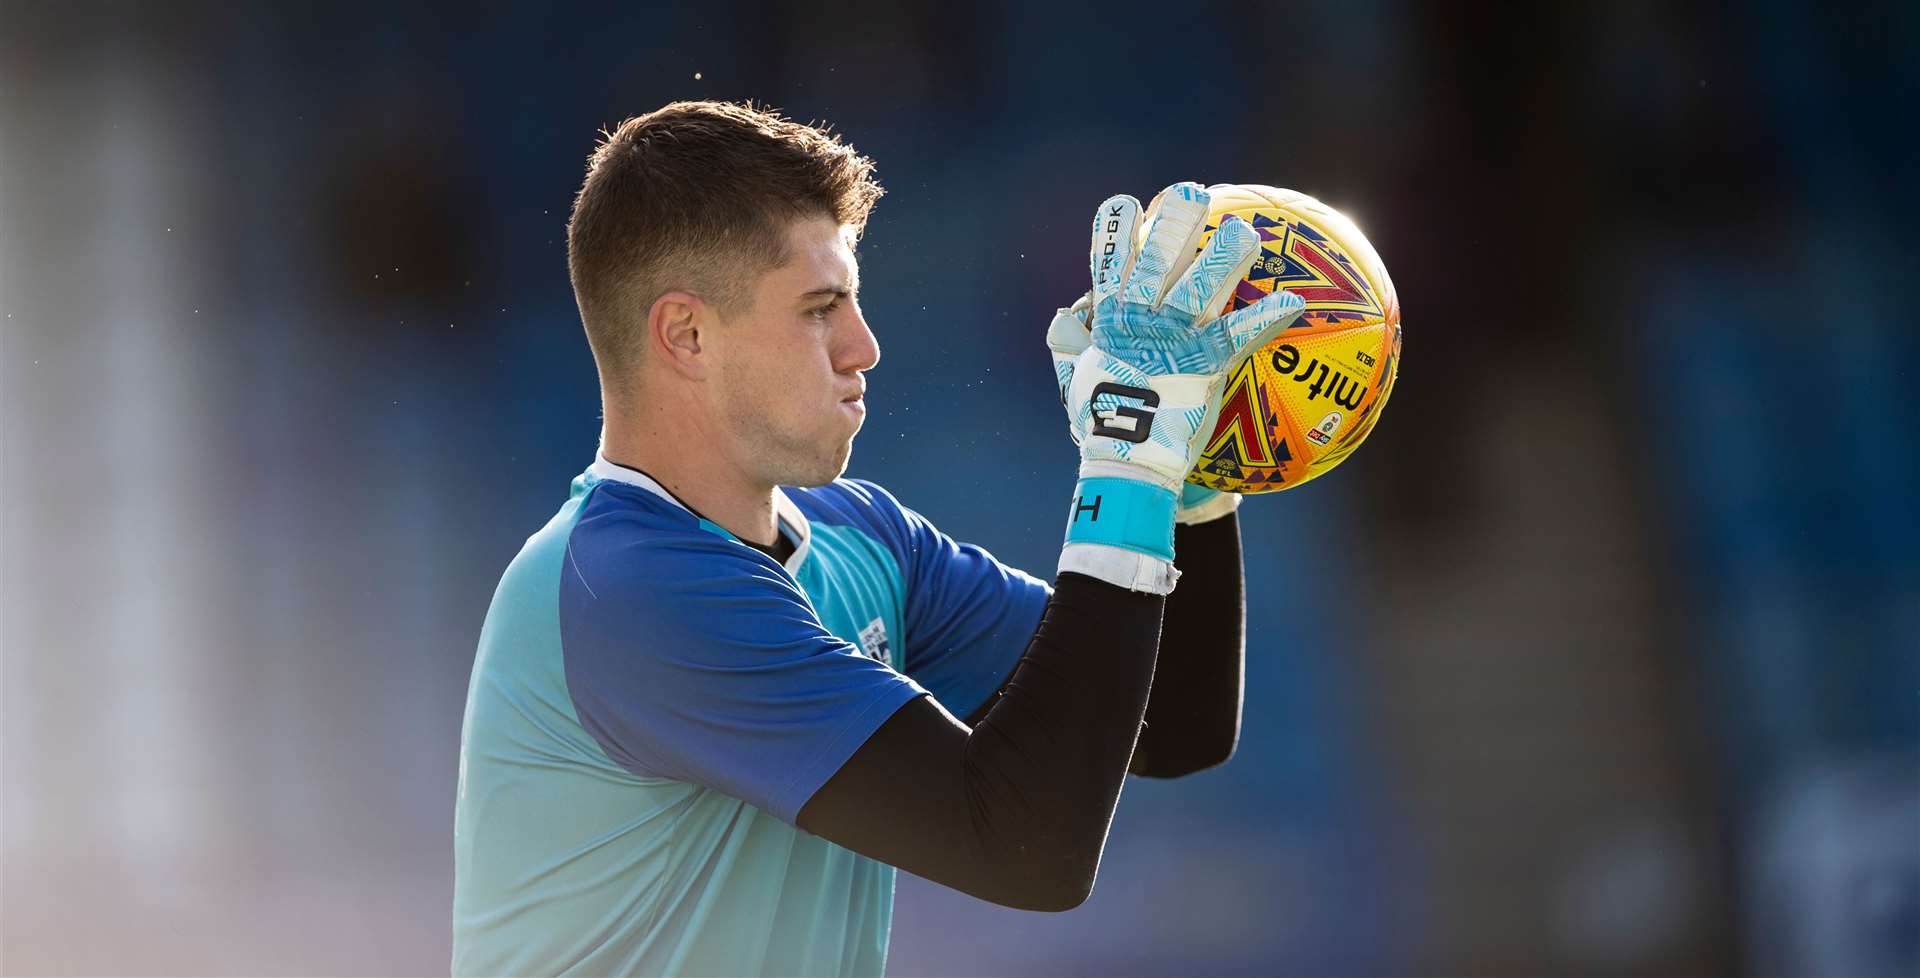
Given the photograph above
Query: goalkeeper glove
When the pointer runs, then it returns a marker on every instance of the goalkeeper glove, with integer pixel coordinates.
(1068, 336)
(1142, 385)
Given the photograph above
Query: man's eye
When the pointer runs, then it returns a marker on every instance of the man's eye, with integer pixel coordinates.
(824, 311)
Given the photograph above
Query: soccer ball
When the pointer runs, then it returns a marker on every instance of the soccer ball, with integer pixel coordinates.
(1301, 404)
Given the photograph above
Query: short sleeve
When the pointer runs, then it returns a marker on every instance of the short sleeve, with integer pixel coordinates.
(695, 658)
(968, 616)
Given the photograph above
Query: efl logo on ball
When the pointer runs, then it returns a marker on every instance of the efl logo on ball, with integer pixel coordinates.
(1322, 433)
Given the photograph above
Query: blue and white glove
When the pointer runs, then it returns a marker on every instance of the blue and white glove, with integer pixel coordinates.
(1069, 332)
(1142, 385)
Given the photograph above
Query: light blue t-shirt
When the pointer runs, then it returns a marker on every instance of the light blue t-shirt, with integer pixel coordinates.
(654, 701)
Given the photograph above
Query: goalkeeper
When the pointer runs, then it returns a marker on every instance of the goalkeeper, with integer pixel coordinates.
(717, 697)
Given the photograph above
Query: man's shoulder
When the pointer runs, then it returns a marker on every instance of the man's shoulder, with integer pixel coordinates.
(849, 502)
(628, 539)
(610, 507)
(866, 508)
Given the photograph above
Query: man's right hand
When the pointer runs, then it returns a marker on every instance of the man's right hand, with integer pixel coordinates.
(1141, 364)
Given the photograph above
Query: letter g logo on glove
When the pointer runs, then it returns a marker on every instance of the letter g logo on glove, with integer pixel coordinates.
(1142, 419)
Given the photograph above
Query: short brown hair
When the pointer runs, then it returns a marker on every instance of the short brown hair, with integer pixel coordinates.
(698, 196)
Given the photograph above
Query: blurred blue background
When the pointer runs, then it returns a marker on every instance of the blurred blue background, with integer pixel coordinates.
(1603, 657)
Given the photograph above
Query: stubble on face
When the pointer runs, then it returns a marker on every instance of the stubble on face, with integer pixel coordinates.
(781, 448)
(779, 391)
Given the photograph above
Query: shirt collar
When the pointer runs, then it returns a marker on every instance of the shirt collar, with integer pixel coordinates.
(791, 521)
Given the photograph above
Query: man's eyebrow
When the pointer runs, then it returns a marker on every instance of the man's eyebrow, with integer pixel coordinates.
(837, 291)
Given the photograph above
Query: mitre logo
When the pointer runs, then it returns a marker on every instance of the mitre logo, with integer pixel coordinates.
(1318, 377)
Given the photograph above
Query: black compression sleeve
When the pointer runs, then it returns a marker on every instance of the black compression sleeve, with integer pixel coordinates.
(1193, 716)
(1016, 810)
(1193, 713)
(1046, 765)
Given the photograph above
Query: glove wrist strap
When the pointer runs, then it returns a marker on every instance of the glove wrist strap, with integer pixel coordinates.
(1126, 514)
(1122, 568)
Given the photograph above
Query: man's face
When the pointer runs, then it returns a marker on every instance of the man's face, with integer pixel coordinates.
(788, 382)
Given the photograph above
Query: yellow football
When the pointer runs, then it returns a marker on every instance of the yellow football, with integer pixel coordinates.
(1301, 404)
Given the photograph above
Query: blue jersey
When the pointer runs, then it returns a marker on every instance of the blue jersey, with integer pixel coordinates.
(652, 703)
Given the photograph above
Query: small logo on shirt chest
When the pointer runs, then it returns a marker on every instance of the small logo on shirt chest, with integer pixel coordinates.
(873, 642)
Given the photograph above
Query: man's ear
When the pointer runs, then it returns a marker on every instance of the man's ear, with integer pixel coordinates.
(674, 322)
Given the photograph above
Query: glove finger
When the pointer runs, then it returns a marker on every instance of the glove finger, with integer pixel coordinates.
(1111, 256)
(1225, 260)
(1253, 327)
(1067, 338)
(1174, 225)
(1068, 333)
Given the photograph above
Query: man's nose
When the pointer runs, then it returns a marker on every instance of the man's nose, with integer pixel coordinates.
(862, 350)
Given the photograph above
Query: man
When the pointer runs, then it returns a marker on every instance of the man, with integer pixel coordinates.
(709, 715)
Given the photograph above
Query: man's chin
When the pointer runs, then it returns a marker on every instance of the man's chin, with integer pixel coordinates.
(829, 468)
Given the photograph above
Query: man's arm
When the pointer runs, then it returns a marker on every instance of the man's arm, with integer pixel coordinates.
(1193, 713)
(1193, 710)
(1016, 810)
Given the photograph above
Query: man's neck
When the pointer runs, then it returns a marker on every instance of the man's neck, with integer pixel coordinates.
(669, 452)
